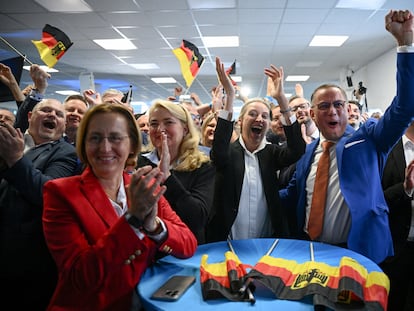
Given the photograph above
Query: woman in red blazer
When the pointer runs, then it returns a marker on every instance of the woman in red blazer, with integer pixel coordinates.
(105, 227)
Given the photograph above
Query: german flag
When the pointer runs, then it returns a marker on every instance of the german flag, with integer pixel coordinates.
(232, 69)
(190, 61)
(348, 286)
(53, 45)
(223, 279)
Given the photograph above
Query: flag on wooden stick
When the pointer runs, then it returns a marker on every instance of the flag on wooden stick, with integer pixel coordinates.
(53, 45)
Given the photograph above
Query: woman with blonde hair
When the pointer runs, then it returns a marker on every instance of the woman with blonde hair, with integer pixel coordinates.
(188, 172)
(105, 227)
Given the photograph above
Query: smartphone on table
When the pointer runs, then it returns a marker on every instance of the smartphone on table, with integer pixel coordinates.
(173, 288)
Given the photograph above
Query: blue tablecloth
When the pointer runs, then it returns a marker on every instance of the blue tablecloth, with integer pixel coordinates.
(249, 252)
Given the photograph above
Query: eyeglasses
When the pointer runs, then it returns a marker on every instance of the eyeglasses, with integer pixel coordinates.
(112, 139)
(195, 117)
(300, 106)
(338, 105)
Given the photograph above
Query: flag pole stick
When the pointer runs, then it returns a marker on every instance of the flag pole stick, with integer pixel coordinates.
(245, 287)
(129, 97)
(14, 49)
(312, 254)
(249, 280)
(272, 247)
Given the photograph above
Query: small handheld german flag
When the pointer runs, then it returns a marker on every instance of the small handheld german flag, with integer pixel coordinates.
(53, 45)
(190, 61)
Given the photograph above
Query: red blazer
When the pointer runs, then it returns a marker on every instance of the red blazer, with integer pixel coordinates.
(100, 258)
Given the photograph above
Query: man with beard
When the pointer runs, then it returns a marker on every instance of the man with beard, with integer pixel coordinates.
(246, 202)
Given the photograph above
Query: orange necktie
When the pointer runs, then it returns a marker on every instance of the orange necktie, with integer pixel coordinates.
(315, 222)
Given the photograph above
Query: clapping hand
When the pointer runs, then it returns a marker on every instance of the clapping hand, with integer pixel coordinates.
(226, 83)
(275, 82)
(165, 158)
(144, 192)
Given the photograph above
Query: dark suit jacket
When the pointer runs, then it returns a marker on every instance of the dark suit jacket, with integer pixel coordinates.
(26, 266)
(398, 202)
(229, 162)
(190, 195)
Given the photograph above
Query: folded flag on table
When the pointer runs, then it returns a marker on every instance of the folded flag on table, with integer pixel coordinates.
(223, 279)
(53, 45)
(190, 61)
(345, 287)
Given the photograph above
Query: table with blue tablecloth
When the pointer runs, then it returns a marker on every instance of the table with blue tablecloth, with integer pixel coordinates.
(249, 252)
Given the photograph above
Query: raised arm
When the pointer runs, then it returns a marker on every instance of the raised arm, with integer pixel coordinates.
(276, 90)
(227, 85)
(400, 25)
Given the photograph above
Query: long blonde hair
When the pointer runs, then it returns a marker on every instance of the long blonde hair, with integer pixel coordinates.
(189, 156)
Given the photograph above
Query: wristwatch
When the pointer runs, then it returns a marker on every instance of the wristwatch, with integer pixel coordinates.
(36, 95)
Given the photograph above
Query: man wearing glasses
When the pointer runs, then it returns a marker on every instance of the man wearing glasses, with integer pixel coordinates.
(355, 213)
(301, 107)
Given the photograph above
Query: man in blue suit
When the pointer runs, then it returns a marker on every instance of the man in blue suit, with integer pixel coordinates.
(356, 213)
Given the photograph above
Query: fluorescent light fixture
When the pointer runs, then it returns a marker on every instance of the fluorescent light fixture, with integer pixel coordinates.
(145, 66)
(164, 80)
(116, 44)
(65, 5)
(362, 5)
(297, 78)
(328, 40)
(212, 4)
(67, 92)
(45, 68)
(237, 78)
(219, 42)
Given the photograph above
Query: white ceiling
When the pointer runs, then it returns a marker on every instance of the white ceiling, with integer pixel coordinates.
(270, 31)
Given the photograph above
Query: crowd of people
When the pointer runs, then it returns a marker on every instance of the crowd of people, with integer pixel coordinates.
(91, 195)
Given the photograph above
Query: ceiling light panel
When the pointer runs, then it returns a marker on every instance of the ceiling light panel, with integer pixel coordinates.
(67, 6)
(116, 44)
(328, 41)
(297, 78)
(212, 4)
(162, 80)
(221, 41)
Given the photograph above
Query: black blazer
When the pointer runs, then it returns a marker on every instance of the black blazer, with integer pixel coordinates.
(26, 266)
(190, 195)
(228, 159)
(398, 202)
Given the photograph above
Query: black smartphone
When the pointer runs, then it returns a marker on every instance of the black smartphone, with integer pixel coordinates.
(174, 287)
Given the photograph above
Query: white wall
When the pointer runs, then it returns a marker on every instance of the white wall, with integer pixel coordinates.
(379, 77)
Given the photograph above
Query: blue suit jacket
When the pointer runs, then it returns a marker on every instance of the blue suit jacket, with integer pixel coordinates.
(361, 157)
